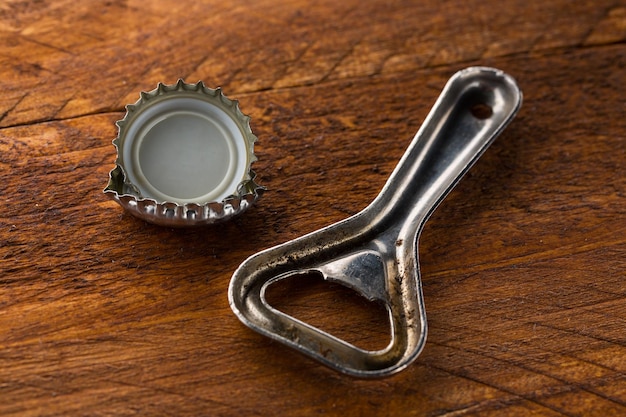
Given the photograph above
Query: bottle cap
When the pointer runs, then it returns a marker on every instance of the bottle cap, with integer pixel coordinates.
(183, 157)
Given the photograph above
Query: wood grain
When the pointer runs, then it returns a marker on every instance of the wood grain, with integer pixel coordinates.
(523, 264)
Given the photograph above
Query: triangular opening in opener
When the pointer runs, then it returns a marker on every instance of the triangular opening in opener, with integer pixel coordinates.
(332, 308)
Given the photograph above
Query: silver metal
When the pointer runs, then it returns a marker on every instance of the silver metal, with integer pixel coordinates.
(375, 251)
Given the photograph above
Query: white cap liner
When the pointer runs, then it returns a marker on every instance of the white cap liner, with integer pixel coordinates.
(185, 150)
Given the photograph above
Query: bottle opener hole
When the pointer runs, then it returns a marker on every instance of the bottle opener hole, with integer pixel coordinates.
(481, 111)
(332, 308)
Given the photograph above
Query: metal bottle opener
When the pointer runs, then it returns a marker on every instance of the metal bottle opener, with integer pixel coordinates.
(375, 251)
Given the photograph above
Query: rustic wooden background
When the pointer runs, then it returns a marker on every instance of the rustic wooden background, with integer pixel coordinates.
(523, 265)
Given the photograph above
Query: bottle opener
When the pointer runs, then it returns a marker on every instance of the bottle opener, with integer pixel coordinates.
(375, 251)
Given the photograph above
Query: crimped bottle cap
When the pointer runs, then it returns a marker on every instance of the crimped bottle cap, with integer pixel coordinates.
(183, 157)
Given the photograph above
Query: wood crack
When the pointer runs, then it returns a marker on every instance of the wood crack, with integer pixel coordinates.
(515, 395)
(13, 107)
(63, 119)
(587, 36)
(566, 386)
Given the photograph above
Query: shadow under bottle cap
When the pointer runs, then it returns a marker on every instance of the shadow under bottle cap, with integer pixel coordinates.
(184, 153)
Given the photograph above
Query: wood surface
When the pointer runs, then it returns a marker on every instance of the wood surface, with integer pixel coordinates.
(523, 265)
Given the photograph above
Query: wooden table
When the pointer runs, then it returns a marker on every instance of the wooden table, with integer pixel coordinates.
(523, 265)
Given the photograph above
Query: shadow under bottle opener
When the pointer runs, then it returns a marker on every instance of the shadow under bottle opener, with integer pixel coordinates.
(375, 251)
